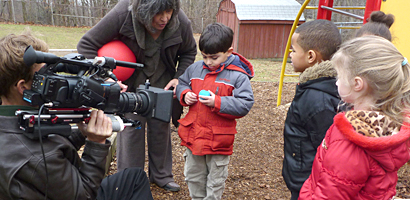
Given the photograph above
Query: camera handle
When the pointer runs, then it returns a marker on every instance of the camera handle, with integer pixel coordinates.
(111, 63)
(63, 122)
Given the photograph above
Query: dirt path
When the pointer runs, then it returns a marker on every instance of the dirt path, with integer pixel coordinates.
(256, 164)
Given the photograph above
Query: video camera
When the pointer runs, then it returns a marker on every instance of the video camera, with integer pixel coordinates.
(72, 82)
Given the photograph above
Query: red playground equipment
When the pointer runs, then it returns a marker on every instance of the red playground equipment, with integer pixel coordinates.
(325, 10)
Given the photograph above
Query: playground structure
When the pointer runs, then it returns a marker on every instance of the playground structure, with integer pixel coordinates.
(325, 9)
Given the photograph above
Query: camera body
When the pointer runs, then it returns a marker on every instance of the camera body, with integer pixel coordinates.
(55, 83)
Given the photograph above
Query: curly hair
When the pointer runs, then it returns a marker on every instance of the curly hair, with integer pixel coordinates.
(319, 35)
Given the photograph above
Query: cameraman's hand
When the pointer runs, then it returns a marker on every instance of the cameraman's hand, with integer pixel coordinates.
(98, 128)
(190, 98)
(208, 100)
(172, 83)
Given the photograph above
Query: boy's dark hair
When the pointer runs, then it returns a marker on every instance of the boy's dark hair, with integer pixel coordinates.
(321, 36)
(379, 24)
(215, 38)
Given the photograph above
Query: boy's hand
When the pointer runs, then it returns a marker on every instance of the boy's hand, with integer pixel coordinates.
(190, 98)
(98, 128)
(208, 100)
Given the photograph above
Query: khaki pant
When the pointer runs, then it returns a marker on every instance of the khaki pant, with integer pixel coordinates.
(205, 175)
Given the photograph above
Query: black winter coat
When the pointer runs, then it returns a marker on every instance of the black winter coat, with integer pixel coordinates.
(309, 116)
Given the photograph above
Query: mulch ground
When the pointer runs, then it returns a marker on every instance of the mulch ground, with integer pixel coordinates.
(256, 164)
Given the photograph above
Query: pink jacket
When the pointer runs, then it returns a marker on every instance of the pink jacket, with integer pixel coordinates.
(349, 165)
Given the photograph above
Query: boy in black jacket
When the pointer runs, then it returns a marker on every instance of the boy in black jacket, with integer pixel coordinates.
(315, 102)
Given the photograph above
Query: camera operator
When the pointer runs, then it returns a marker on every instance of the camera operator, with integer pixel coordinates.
(51, 168)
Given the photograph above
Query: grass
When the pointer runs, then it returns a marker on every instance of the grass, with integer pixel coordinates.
(55, 37)
(267, 70)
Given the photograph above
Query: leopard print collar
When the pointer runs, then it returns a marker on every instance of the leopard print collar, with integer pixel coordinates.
(372, 123)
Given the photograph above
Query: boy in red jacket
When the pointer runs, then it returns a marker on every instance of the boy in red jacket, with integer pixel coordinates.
(208, 130)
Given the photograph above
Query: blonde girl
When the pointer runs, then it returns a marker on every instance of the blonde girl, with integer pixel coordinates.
(366, 146)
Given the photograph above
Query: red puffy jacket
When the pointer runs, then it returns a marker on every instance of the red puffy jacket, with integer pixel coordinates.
(205, 130)
(349, 165)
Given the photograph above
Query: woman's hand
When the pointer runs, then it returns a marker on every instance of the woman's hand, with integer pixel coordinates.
(172, 83)
(122, 86)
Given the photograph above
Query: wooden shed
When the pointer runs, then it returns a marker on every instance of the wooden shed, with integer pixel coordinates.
(261, 27)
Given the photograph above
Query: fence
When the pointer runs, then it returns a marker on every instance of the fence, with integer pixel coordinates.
(52, 12)
(89, 12)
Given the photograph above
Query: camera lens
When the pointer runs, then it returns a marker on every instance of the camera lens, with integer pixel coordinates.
(133, 102)
(127, 103)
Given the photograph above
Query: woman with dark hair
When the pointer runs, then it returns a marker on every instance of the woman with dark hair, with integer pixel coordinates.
(160, 36)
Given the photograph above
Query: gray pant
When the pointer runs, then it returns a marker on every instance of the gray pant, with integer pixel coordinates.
(131, 149)
(205, 175)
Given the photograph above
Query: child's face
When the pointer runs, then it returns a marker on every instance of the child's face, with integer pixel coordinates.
(213, 61)
(300, 58)
(344, 90)
(344, 86)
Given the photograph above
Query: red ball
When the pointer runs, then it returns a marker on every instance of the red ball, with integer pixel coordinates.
(119, 51)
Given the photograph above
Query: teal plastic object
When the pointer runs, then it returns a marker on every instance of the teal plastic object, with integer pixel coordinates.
(204, 93)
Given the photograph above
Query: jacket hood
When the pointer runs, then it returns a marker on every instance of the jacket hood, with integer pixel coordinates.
(321, 76)
(319, 70)
(239, 63)
(390, 151)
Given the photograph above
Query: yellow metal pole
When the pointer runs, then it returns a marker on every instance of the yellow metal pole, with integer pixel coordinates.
(285, 57)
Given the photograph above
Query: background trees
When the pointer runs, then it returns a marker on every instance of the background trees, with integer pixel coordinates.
(89, 12)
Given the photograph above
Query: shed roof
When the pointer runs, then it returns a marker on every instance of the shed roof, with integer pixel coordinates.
(267, 9)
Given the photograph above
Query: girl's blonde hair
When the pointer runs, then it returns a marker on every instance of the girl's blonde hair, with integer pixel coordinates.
(379, 62)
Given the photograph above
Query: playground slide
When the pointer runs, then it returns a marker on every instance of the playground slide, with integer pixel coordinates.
(401, 26)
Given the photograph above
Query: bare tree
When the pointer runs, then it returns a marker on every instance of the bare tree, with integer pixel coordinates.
(200, 12)
(89, 12)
